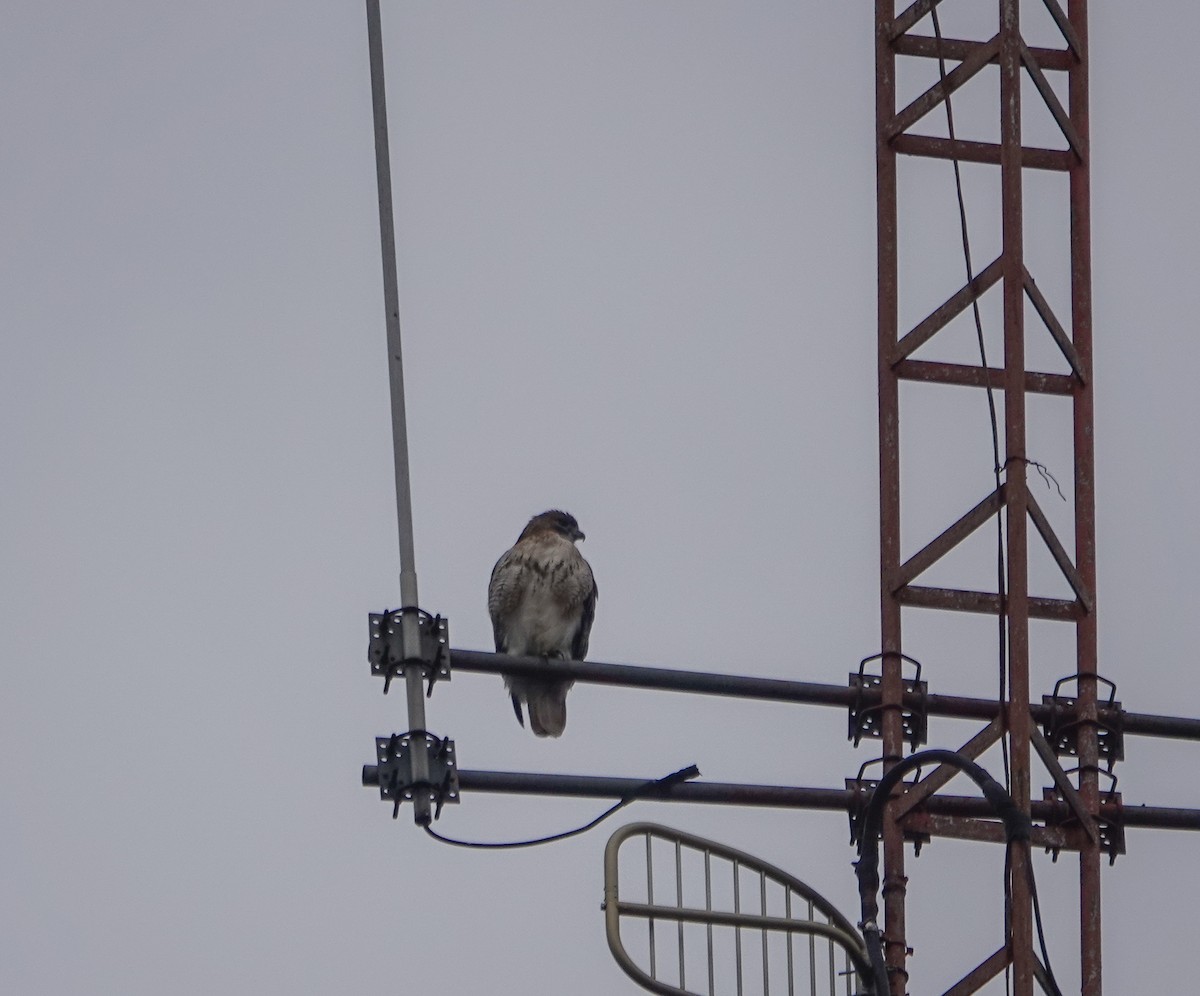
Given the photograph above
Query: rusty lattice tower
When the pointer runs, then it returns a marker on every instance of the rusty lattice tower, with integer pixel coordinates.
(899, 37)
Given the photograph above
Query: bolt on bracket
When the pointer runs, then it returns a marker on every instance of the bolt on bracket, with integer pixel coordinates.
(394, 771)
(1110, 828)
(1061, 728)
(390, 657)
(863, 789)
(866, 720)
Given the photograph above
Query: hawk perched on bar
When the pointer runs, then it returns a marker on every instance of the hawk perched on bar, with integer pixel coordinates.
(542, 599)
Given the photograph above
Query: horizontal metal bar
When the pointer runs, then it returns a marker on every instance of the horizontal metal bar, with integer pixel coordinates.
(793, 797)
(966, 375)
(605, 787)
(932, 147)
(751, 921)
(850, 943)
(961, 600)
(784, 690)
(926, 47)
(661, 678)
(1160, 817)
(987, 831)
(1151, 725)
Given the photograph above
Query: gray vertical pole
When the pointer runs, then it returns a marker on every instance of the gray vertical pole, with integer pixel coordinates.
(391, 297)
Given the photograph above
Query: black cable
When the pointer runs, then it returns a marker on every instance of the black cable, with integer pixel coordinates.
(1017, 826)
(997, 466)
(1037, 919)
(1008, 914)
(647, 790)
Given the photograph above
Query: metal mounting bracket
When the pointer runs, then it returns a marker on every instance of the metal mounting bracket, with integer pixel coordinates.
(394, 772)
(863, 789)
(390, 657)
(1061, 729)
(1111, 831)
(866, 720)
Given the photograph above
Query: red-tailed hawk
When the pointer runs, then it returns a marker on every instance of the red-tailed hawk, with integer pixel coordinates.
(542, 599)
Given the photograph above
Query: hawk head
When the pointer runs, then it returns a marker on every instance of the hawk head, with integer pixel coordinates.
(554, 521)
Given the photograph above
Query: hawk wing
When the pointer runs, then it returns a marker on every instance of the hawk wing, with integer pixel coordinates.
(579, 646)
(504, 595)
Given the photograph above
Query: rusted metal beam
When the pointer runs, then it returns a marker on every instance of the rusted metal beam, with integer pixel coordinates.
(981, 975)
(943, 773)
(958, 302)
(925, 47)
(941, 545)
(934, 147)
(961, 600)
(980, 830)
(1043, 977)
(1074, 26)
(892, 690)
(956, 78)
(964, 375)
(1061, 117)
(912, 14)
(1073, 799)
(1046, 313)
(1017, 604)
(1074, 33)
(1046, 531)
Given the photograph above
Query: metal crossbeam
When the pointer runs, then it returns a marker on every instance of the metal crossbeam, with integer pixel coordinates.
(741, 686)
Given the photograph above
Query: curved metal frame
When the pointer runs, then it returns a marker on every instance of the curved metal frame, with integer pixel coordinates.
(839, 930)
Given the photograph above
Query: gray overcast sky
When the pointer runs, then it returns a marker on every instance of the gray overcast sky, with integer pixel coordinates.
(637, 282)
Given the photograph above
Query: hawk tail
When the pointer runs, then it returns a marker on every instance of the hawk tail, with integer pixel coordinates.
(548, 710)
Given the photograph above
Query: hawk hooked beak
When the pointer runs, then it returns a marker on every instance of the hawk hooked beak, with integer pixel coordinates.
(579, 535)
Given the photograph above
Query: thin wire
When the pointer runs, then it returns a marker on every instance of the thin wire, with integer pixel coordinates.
(997, 466)
(1044, 473)
(641, 792)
